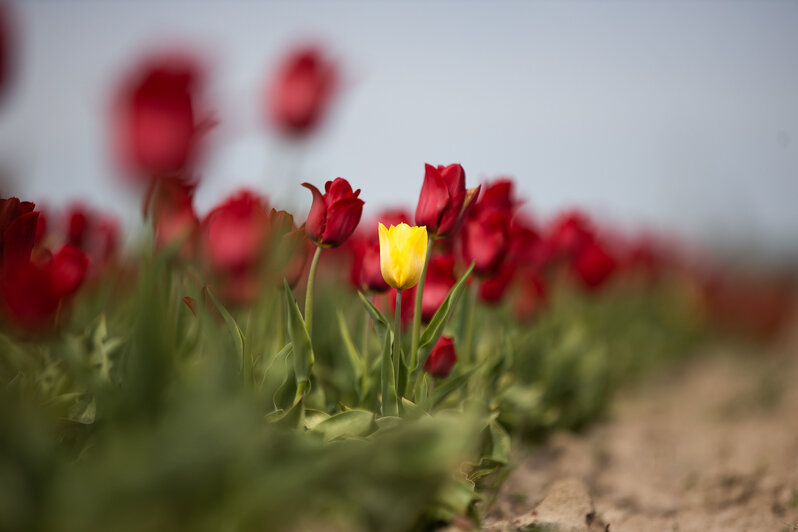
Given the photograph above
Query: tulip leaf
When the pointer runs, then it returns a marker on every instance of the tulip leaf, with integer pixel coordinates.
(449, 385)
(235, 330)
(381, 323)
(352, 423)
(434, 330)
(300, 339)
(356, 361)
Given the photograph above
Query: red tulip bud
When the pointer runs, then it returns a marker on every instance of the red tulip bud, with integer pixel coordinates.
(442, 359)
(333, 215)
(301, 92)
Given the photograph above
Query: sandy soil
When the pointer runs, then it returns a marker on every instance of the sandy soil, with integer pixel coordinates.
(711, 446)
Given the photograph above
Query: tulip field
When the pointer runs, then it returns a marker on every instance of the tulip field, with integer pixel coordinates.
(251, 368)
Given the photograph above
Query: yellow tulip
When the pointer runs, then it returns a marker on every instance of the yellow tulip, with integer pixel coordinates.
(403, 251)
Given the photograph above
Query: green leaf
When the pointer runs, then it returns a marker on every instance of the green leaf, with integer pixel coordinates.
(235, 330)
(453, 499)
(449, 385)
(435, 328)
(352, 423)
(357, 363)
(300, 339)
(293, 418)
(381, 323)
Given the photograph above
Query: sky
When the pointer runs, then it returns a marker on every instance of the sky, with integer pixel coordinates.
(673, 116)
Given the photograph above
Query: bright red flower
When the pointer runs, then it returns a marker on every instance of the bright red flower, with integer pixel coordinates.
(18, 230)
(333, 215)
(440, 279)
(300, 93)
(442, 358)
(157, 119)
(593, 266)
(444, 200)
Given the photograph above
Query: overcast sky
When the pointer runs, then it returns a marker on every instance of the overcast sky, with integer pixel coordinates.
(674, 115)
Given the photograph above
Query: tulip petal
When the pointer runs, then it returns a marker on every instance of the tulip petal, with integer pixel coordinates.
(316, 223)
(432, 200)
(454, 177)
(342, 219)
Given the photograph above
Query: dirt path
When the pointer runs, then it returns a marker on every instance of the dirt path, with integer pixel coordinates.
(710, 447)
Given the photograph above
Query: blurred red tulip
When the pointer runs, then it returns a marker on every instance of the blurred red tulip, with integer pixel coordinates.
(300, 93)
(440, 279)
(593, 266)
(408, 304)
(390, 217)
(532, 297)
(485, 240)
(498, 195)
(335, 214)
(492, 289)
(32, 292)
(366, 272)
(18, 230)
(174, 219)
(570, 233)
(94, 233)
(442, 358)
(444, 200)
(158, 120)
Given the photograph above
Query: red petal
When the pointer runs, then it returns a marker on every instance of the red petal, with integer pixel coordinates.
(342, 219)
(317, 217)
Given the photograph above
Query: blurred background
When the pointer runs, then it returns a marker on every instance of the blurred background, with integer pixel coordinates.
(679, 116)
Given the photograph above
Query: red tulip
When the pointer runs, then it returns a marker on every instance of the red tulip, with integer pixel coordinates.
(440, 279)
(32, 292)
(444, 200)
(174, 218)
(441, 359)
(492, 289)
(498, 196)
(18, 230)
(301, 92)
(158, 121)
(532, 297)
(366, 272)
(94, 233)
(235, 232)
(571, 232)
(335, 214)
(593, 266)
(485, 240)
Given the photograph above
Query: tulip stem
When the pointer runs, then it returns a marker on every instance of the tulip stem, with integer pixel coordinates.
(309, 292)
(417, 310)
(397, 344)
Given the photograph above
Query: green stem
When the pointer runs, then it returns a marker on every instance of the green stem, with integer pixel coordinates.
(397, 344)
(469, 330)
(417, 310)
(365, 342)
(309, 292)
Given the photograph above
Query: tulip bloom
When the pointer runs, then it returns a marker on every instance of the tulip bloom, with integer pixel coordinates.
(157, 123)
(444, 200)
(441, 359)
(593, 266)
(485, 241)
(403, 251)
(301, 92)
(174, 218)
(333, 215)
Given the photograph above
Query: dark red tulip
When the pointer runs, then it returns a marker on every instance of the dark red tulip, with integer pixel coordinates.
(333, 215)
(498, 195)
(593, 266)
(18, 230)
(158, 120)
(444, 200)
(366, 272)
(570, 233)
(531, 298)
(174, 219)
(440, 279)
(442, 358)
(300, 93)
(493, 288)
(94, 233)
(485, 240)
(33, 292)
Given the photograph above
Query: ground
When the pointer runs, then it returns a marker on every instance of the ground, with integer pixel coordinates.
(709, 446)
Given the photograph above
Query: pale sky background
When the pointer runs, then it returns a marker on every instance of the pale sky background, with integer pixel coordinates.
(681, 116)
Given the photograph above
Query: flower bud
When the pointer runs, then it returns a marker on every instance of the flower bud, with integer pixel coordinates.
(333, 215)
(441, 359)
(444, 200)
(403, 251)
